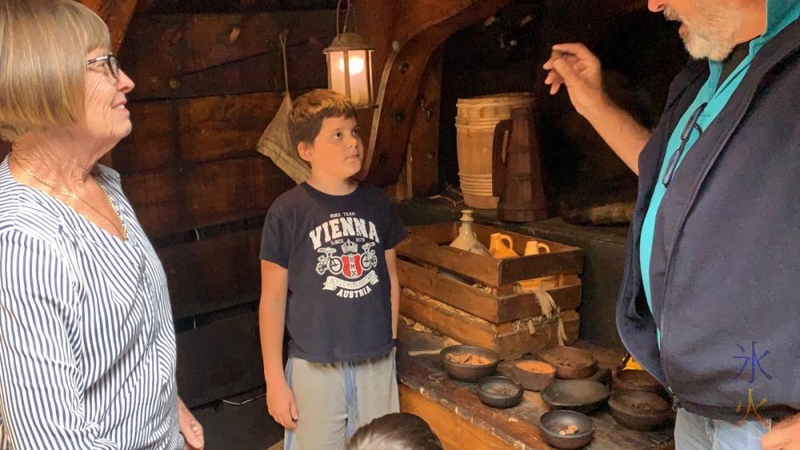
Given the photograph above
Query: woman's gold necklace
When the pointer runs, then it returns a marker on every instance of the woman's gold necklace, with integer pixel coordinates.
(122, 231)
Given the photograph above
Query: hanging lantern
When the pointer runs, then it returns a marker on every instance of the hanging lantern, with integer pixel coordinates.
(350, 69)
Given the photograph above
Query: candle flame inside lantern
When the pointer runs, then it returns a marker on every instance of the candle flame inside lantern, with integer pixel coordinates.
(356, 64)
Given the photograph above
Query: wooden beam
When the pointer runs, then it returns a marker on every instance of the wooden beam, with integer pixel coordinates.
(170, 133)
(219, 360)
(418, 30)
(223, 6)
(188, 197)
(420, 174)
(424, 140)
(116, 14)
(213, 274)
(194, 55)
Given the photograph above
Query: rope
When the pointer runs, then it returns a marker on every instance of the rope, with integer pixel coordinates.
(546, 302)
(283, 38)
(550, 313)
(346, 17)
(338, 5)
(549, 308)
(562, 334)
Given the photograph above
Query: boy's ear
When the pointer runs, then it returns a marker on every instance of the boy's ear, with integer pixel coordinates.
(306, 151)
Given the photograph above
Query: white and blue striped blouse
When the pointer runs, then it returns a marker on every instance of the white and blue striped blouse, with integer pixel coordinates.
(87, 345)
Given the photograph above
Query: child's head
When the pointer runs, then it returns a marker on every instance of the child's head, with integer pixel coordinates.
(398, 431)
(323, 129)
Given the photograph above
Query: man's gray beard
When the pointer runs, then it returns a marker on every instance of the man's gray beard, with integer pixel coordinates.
(714, 38)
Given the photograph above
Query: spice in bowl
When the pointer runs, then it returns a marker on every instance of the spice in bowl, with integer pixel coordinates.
(504, 391)
(469, 359)
(568, 431)
(534, 366)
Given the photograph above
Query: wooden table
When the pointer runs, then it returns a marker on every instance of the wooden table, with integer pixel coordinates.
(462, 422)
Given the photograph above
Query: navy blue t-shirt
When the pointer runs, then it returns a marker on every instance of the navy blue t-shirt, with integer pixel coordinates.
(339, 301)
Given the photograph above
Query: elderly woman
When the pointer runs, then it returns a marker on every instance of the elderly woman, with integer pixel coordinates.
(87, 347)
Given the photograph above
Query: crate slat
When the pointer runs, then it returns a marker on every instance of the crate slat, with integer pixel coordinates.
(428, 245)
(492, 308)
(469, 329)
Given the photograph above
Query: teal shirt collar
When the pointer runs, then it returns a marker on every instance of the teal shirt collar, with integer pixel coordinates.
(780, 13)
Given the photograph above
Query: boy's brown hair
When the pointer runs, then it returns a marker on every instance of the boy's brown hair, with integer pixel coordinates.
(310, 109)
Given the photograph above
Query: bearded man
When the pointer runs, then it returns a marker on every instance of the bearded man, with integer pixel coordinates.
(709, 300)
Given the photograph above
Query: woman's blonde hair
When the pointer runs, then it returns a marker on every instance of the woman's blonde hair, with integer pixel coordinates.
(43, 47)
(396, 431)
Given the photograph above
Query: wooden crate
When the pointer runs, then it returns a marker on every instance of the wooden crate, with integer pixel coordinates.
(511, 339)
(479, 305)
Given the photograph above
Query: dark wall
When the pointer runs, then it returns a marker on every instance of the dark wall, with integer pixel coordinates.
(207, 85)
(640, 53)
(209, 78)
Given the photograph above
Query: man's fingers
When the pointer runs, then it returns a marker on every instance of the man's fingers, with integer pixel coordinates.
(771, 442)
(571, 59)
(555, 87)
(567, 73)
(293, 411)
(579, 50)
(783, 436)
(553, 80)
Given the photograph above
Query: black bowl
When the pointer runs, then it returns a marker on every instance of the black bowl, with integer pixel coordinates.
(635, 380)
(577, 395)
(552, 422)
(469, 372)
(500, 392)
(571, 363)
(639, 410)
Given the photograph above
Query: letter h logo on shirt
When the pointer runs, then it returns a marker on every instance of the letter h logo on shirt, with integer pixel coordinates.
(351, 261)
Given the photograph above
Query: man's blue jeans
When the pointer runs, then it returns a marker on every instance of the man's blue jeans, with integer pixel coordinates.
(693, 432)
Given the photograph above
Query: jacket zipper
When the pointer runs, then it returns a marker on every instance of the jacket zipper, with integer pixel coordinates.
(675, 401)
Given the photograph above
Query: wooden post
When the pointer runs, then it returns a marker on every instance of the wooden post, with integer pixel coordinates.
(406, 38)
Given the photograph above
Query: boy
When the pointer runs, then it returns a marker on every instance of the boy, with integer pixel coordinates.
(328, 274)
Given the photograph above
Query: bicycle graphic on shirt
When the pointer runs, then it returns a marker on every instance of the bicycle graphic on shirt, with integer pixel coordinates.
(350, 262)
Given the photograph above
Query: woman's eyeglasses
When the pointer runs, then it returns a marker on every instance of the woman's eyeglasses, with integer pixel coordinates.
(110, 62)
(687, 132)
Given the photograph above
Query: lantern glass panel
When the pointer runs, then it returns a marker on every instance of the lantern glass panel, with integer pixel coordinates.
(336, 72)
(359, 77)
